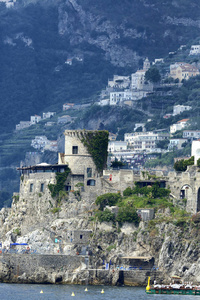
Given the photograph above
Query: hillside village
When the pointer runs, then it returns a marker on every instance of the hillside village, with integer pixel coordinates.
(140, 145)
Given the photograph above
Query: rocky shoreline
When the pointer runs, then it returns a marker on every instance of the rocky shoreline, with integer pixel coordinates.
(64, 269)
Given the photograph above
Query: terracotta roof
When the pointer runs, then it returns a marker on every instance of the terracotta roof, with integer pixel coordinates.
(183, 120)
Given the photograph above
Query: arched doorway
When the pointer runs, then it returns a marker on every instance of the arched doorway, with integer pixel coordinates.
(186, 193)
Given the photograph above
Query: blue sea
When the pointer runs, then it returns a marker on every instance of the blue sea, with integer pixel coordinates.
(61, 292)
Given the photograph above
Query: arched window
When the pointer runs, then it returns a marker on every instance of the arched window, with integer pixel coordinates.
(91, 182)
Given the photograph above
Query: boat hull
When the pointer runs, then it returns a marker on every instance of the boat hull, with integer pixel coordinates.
(174, 292)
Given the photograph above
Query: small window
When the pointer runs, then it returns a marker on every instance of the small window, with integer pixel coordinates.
(89, 172)
(67, 188)
(81, 236)
(31, 187)
(42, 187)
(75, 150)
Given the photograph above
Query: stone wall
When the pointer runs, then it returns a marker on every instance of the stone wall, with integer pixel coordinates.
(29, 268)
(183, 185)
(38, 268)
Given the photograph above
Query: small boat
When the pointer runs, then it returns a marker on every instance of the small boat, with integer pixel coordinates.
(174, 288)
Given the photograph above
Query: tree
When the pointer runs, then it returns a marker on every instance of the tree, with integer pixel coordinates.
(152, 75)
(162, 144)
(109, 199)
(181, 165)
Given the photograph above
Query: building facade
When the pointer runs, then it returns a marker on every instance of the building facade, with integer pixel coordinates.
(144, 140)
(182, 70)
(178, 109)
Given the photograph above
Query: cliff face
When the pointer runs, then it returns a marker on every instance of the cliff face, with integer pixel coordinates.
(175, 247)
(101, 38)
(125, 31)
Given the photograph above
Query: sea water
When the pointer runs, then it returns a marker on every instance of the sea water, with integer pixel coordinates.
(61, 292)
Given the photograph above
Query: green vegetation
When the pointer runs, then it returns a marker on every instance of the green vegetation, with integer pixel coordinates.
(109, 199)
(105, 216)
(153, 191)
(146, 197)
(55, 210)
(96, 143)
(167, 159)
(55, 189)
(17, 231)
(153, 75)
(181, 165)
(117, 164)
(127, 214)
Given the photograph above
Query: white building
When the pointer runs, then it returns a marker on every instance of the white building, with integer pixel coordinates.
(195, 151)
(35, 119)
(178, 109)
(23, 124)
(122, 82)
(9, 3)
(195, 49)
(67, 106)
(104, 102)
(191, 134)
(144, 141)
(158, 61)
(115, 146)
(39, 142)
(48, 115)
(117, 98)
(176, 143)
(137, 125)
(179, 125)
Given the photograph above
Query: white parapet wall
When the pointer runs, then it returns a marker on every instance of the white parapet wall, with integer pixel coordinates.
(196, 151)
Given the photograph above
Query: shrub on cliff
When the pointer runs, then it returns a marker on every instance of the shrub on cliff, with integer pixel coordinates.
(128, 192)
(153, 191)
(105, 216)
(109, 199)
(181, 165)
(127, 214)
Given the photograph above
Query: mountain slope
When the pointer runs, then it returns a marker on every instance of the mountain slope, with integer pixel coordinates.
(111, 37)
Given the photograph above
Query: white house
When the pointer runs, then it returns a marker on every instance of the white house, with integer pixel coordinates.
(9, 3)
(195, 49)
(176, 143)
(23, 124)
(35, 119)
(48, 115)
(191, 134)
(179, 125)
(178, 109)
(39, 142)
(114, 146)
(119, 97)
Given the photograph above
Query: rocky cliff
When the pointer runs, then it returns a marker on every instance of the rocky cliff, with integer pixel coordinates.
(174, 246)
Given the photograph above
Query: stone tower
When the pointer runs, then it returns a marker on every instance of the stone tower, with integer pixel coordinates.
(86, 155)
(146, 64)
